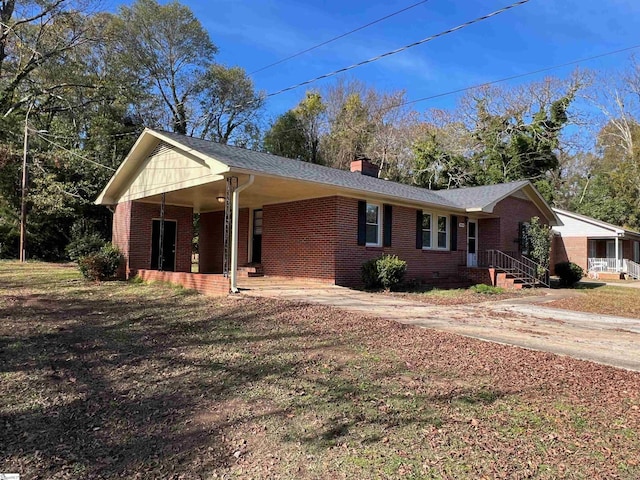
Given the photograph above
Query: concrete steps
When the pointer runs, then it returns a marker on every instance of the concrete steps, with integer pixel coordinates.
(251, 271)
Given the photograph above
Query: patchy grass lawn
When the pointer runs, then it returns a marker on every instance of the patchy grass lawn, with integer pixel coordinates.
(139, 381)
(607, 300)
(461, 296)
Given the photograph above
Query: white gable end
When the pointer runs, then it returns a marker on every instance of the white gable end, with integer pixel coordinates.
(574, 227)
(166, 169)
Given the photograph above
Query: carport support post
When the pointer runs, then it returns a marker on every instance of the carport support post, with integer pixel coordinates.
(235, 213)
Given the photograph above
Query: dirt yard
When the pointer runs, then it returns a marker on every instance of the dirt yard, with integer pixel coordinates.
(146, 381)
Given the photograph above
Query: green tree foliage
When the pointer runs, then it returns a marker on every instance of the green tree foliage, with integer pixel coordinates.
(610, 190)
(229, 104)
(37, 36)
(537, 243)
(88, 83)
(514, 149)
(286, 138)
(436, 167)
(169, 49)
(296, 133)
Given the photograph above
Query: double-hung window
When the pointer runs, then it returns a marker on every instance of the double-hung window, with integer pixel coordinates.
(373, 225)
(435, 231)
(442, 231)
(426, 230)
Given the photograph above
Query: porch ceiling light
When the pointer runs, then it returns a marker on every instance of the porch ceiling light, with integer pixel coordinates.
(220, 199)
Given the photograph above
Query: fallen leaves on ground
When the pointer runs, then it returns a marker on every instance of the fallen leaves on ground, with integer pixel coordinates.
(619, 301)
(136, 381)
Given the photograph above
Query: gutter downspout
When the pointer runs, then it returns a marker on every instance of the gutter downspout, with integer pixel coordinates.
(235, 213)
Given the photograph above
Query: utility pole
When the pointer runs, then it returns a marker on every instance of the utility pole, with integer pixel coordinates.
(23, 207)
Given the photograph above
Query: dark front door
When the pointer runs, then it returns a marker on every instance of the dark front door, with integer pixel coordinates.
(168, 246)
(257, 237)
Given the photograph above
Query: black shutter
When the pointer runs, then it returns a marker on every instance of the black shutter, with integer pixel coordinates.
(454, 233)
(419, 229)
(362, 222)
(387, 219)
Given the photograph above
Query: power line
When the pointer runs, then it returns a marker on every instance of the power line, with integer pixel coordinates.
(520, 75)
(401, 49)
(71, 151)
(492, 82)
(326, 42)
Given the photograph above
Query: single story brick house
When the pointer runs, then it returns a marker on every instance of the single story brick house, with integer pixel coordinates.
(600, 248)
(288, 218)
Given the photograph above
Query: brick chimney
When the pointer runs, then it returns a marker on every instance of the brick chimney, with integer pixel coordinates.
(365, 167)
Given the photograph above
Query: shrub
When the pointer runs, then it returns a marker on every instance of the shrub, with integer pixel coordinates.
(102, 264)
(486, 289)
(386, 271)
(391, 270)
(537, 243)
(569, 273)
(370, 273)
(84, 241)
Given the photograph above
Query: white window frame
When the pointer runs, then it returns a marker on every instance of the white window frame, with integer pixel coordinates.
(379, 229)
(430, 247)
(435, 231)
(447, 232)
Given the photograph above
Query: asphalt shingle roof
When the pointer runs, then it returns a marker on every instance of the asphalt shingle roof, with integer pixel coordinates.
(260, 162)
(481, 196)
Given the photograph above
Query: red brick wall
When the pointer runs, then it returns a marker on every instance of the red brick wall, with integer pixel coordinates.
(479, 275)
(132, 225)
(299, 238)
(425, 265)
(570, 249)
(318, 239)
(489, 234)
(205, 284)
(211, 240)
(512, 211)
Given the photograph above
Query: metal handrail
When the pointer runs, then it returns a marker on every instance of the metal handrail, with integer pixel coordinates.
(529, 271)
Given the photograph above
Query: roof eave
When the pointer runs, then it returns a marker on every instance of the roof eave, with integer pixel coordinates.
(111, 193)
(355, 192)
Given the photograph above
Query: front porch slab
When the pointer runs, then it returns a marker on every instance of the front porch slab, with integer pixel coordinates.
(205, 283)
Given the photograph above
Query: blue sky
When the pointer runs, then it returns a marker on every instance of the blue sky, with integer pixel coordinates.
(541, 33)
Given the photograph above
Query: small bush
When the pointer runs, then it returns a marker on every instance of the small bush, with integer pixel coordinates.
(370, 274)
(386, 271)
(569, 273)
(391, 270)
(101, 265)
(486, 289)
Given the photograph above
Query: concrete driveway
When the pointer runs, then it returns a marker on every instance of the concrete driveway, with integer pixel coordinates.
(523, 322)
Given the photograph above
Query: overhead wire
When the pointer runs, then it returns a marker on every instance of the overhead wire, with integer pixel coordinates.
(55, 144)
(492, 82)
(520, 75)
(331, 40)
(401, 49)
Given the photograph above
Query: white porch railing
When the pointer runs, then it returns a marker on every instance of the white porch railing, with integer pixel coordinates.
(609, 265)
(633, 269)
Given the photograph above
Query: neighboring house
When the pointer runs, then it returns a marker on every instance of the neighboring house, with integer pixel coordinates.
(287, 218)
(600, 248)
